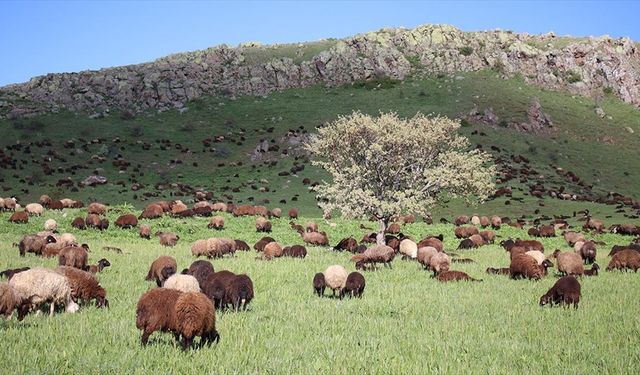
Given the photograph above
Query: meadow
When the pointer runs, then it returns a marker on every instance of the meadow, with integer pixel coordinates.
(406, 322)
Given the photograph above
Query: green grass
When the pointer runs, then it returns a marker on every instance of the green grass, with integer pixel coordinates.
(405, 323)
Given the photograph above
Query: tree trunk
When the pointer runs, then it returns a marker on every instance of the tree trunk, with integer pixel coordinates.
(380, 236)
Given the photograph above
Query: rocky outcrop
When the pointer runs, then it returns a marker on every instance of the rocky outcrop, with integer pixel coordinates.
(578, 65)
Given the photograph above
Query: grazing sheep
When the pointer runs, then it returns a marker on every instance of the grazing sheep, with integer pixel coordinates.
(20, 217)
(45, 200)
(293, 213)
(67, 239)
(101, 265)
(488, 236)
(276, 212)
(461, 220)
(566, 290)
(587, 252)
(547, 231)
(263, 225)
(316, 238)
(215, 284)
(200, 269)
(465, 232)
(155, 312)
(354, 285)
(393, 228)
(496, 222)
(348, 244)
(477, 240)
(183, 283)
(593, 224)
(311, 227)
(295, 251)
(79, 223)
(168, 239)
(467, 244)
(259, 246)
(447, 276)
(593, 271)
(617, 248)
(195, 316)
(475, 220)
(573, 237)
(216, 222)
(10, 300)
(319, 284)
(34, 244)
(41, 285)
(74, 256)
(8, 273)
(161, 269)
(625, 259)
(219, 207)
(439, 262)
(97, 208)
(152, 211)
(50, 225)
(533, 232)
(335, 278)
(408, 249)
(435, 242)
(529, 245)
(272, 250)
(569, 263)
(127, 221)
(425, 254)
(34, 209)
(177, 207)
(84, 286)
(538, 256)
(239, 292)
(523, 265)
(241, 245)
(377, 254)
(145, 232)
(484, 221)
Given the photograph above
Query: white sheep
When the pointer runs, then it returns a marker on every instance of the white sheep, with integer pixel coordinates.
(408, 248)
(335, 277)
(50, 225)
(183, 283)
(34, 209)
(537, 255)
(41, 285)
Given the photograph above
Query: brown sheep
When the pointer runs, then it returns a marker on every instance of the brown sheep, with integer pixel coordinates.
(34, 244)
(433, 242)
(588, 252)
(79, 223)
(425, 254)
(127, 221)
(293, 213)
(569, 263)
(244, 210)
(573, 237)
(296, 227)
(566, 290)
(625, 259)
(241, 245)
(477, 240)
(496, 222)
(348, 244)
(152, 211)
(393, 228)
(92, 221)
(84, 286)
(593, 224)
(467, 244)
(276, 212)
(354, 286)
(164, 205)
(374, 255)
(200, 269)
(161, 269)
(311, 227)
(439, 262)
(484, 221)
(315, 238)
(547, 231)
(295, 251)
(461, 220)
(272, 250)
(488, 236)
(177, 207)
(215, 284)
(239, 292)
(593, 271)
(45, 200)
(101, 265)
(74, 256)
(145, 232)
(263, 225)
(168, 239)
(523, 265)
(319, 284)
(219, 207)
(259, 246)
(195, 316)
(97, 208)
(216, 222)
(465, 232)
(529, 245)
(20, 217)
(12, 299)
(447, 276)
(155, 312)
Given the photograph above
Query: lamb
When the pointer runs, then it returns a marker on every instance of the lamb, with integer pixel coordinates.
(239, 292)
(161, 269)
(523, 265)
(625, 259)
(152, 211)
(295, 251)
(263, 225)
(439, 262)
(183, 283)
(97, 208)
(145, 232)
(593, 271)
(408, 249)
(20, 217)
(272, 250)
(200, 269)
(41, 285)
(127, 221)
(10, 300)
(259, 246)
(79, 223)
(195, 316)
(319, 284)
(587, 252)
(566, 290)
(241, 245)
(168, 239)
(465, 232)
(34, 209)
(101, 265)
(34, 244)
(348, 244)
(74, 256)
(569, 263)
(425, 254)
(293, 213)
(316, 238)
(488, 236)
(354, 285)
(84, 286)
(50, 225)
(215, 284)
(447, 276)
(335, 278)
(8, 273)
(216, 222)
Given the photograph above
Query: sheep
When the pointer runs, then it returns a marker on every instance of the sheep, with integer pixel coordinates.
(348, 244)
(526, 244)
(319, 284)
(50, 225)
(447, 276)
(244, 210)
(259, 246)
(496, 222)
(467, 244)
(94, 221)
(409, 249)
(461, 220)
(484, 221)
(573, 237)
(547, 231)
(200, 248)
(593, 271)
(263, 225)
(19, 217)
(9, 204)
(377, 254)
(219, 206)
(272, 250)
(499, 271)
(475, 220)
(488, 236)
(200, 269)
(276, 212)
(44, 200)
(393, 228)
(155, 312)
(34, 244)
(239, 292)
(538, 256)
(8, 273)
(101, 265)
(84, 286)
(145, 232)
(168, 239)
(183, 283)
(465, 232)
(97, 208)
(354, 285)
(216, 222)
(316, 238)
(10, 300)
(67, 239)
(161, 269)
(434, 242)
(533, 232)
(625, 259)
(477, 240)
(566, 290)
(41, 285)
(311, 227)
(593, 224)
(587, 252)
(74, 256)
(335, 278)
(152, 211)
(177, 207)
(569, 263)
(241, 245)
(215, 284)
(217, 247)
(439, 262)
(34, 209)
(617, 248)
(126, 221)
(523, 265)
(425, 254)
(293, 213)
(295, 251)
(195, 316)
(79, 223)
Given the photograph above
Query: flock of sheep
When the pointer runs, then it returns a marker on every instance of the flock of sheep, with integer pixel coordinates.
(185, 303)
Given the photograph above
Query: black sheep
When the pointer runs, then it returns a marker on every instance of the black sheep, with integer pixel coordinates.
(200, 269)
(295, 251)
(354, 285)
(566, 290)
(239, 292)
(466, 244)
(319, 284)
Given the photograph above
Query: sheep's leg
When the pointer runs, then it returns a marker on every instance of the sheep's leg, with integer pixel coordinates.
(52, 308)
(145, 337)
(186, 343)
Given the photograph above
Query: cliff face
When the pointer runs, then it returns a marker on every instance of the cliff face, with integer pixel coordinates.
(582, 66)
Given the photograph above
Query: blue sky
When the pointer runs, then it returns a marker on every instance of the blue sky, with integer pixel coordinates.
(38, 37)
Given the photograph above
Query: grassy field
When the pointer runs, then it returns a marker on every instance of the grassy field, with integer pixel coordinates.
(405, 323)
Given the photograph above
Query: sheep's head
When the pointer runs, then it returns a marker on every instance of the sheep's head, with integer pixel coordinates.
(50, 239)
(102, 302)
(167, 272)
(547, 264)
(545, 300)
(23, 309)
(102, 263)
(507, 244)
(555, 253)
(85, 246)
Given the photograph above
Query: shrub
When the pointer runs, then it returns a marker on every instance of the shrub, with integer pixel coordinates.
(466, 51)
(574, 77)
